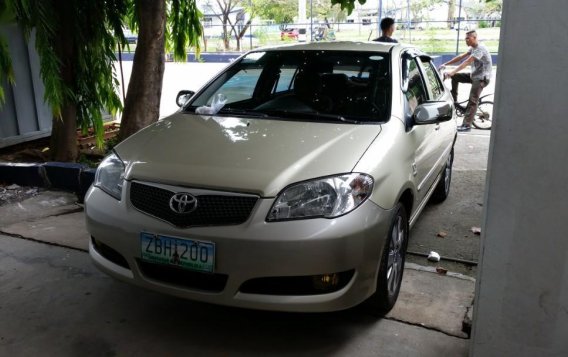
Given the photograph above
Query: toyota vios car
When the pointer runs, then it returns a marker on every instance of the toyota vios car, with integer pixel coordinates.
(289, 182)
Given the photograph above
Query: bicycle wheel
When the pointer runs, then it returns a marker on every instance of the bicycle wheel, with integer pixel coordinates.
(484, 116)
(459, 113)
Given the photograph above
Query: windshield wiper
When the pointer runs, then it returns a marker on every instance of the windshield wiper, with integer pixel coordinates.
(339, 117)
(241, 111)
(281, 113)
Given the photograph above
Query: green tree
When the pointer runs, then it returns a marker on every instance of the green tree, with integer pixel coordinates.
(75, 41)
(347, 5)
(280, 11)
(324, 9)
(418, 6)
(6, 70)
(493, 6)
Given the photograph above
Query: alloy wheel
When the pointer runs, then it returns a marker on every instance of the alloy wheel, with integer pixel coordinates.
(396, 255)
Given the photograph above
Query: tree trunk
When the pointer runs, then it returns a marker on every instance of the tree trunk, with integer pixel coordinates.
(63, 142)
(142, 104)
(226, 37)
(451, 11)
(239, 35)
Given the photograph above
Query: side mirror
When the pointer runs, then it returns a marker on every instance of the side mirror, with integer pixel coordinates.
(183, 96)
(433, 112)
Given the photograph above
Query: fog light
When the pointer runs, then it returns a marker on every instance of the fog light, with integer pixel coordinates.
(326, 281)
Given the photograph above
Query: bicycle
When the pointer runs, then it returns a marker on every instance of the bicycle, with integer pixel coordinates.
(483, 116)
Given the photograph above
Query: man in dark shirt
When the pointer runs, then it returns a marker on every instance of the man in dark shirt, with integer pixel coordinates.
(387, 29)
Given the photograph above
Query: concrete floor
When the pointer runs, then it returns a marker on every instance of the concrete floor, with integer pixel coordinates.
(459, 213)
(55, 303)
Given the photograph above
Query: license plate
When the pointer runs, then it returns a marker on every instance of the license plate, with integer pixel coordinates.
(186, 253)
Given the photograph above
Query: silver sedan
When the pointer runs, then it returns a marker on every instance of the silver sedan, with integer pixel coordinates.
(289, 182)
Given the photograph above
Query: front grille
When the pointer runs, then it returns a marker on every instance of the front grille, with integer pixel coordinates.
(212, 210)
(184, 278)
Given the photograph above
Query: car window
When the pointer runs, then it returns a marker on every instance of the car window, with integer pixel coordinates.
(316, 84)
(416, 93)
(434, 83)
(286, 76)
(240, 86)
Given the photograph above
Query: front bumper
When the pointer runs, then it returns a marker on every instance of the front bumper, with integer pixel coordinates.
(252, 250)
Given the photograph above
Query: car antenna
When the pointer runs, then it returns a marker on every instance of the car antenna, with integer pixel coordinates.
(370, 33)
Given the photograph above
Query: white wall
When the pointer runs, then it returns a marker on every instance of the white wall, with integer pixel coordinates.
(177, 76)
(521, 305)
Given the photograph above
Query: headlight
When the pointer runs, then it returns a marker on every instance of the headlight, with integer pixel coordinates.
(327, 197)
(110, 175)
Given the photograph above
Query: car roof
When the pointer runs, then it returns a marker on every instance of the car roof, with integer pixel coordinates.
(367, 46)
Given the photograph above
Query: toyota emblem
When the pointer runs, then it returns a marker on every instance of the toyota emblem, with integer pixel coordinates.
(183, 203)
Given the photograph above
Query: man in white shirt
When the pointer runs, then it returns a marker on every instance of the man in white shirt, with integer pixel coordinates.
(480, 60)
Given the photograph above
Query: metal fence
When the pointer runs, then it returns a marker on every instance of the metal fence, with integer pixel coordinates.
(431, 36)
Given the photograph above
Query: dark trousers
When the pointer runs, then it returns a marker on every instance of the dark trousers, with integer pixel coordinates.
(476, 88)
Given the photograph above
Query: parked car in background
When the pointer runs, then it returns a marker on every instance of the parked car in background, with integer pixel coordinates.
(131, 37)
(289, 182)
(302, 34)
(289, 33)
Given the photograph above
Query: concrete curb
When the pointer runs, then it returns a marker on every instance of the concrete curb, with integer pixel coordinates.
(429, 269)
(71, 177)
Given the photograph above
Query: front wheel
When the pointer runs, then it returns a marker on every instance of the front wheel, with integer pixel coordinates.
(391, 269)
(484, 115)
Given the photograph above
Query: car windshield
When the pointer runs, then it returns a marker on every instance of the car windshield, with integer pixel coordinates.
(346, 86)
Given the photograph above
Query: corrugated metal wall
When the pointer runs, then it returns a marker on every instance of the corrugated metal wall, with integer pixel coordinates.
(24, 116)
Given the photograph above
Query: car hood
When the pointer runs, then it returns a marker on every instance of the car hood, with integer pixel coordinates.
(258, 156)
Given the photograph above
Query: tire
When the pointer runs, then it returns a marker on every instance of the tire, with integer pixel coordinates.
(483, 116)
(391, 269)
(442, 190)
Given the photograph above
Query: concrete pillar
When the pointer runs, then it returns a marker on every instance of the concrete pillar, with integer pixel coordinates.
(521, 304)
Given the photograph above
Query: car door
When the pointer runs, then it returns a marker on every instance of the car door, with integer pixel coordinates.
(423, 138)
(436, 91)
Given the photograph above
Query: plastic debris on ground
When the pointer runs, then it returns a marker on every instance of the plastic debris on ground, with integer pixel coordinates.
(434, 257)
(476, 230)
